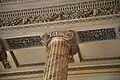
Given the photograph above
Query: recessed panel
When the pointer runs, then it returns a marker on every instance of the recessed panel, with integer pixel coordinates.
(30, 56)
(100, 49)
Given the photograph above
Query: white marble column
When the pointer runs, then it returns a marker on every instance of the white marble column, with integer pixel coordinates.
(57, 56)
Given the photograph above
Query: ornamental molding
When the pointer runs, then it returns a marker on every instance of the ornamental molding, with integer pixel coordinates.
(70, 69)
(100, 59)
(13, 2)
(24, 42)
(24, 65)
(64, 22)
(97, 35)
(68, 12)
(83, 36)
(86, 36)
(16, 2)
(43, 63)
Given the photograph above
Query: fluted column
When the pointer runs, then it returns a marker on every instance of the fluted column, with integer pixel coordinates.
(57, 50)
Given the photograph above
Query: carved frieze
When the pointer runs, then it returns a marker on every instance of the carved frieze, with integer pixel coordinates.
(24, 42)
(97, 35)
(73, 21)
(58, 13)
(84, 36)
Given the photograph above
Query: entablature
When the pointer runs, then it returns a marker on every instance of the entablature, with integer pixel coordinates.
(60, 12)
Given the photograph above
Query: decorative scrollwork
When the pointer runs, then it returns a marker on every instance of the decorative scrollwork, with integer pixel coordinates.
(24, 42)
(96, 35)
(67, 35)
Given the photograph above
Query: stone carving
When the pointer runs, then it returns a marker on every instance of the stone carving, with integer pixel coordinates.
(58, 47)
(70, 36)
(101, 59)
(24, 42)
(71, 13)
(116, 16)
(96, 35)
(84, 36)
(3, 56)
(67, 35)
(5, 1)
(71, 59)
(77, 68)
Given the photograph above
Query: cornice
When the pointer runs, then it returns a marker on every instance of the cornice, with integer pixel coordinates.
(81, 11)
(13, 2)
(70, 69)
(4, 3)
(64, 22)
(66, 7)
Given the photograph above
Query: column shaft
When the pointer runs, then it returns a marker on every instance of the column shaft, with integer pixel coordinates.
(57, 59)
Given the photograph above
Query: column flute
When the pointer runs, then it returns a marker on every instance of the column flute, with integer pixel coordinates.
(58, 44)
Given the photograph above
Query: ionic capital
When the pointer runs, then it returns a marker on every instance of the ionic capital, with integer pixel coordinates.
(68, 36)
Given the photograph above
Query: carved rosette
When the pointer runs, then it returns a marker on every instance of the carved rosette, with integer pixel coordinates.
(58, 45)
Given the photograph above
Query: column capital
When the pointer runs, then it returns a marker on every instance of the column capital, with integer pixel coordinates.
(69, 36)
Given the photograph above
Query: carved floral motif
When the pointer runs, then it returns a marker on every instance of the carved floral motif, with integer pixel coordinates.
(24, 42)
(72, 13)
(97, 35)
